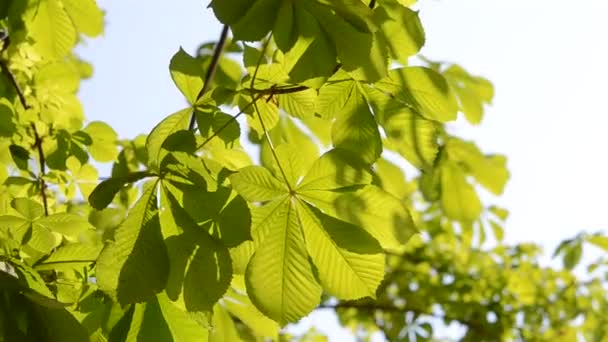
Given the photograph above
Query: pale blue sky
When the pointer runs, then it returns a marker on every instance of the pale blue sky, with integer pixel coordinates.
(547, 59)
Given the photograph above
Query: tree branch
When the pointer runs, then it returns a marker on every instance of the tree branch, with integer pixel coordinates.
(215, 59)
(13, 81)
(42, 169)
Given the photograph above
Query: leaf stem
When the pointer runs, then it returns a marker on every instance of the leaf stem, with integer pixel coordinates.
(215, 59)
(42, 169)
(257, 111)
(272, 149)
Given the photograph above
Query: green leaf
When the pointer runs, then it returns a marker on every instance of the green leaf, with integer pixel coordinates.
(7, 125)
(31, 210)
(458, 198)
(334, 170)
(171, 124)
(599, 241)
(392, 179)
(239, 305)
(187, 74)
(490, 171)
(86, 16)
(267, 111)
(473, 92)
(400, 30)
(64, 223)
(356, 129)
(349, 261)
(104, 193)
(572, 255)
(15, 228)
(104, 146)
(257, 184)
(407, 133)
(382, 215)
(200, 269)
(424, 90)
(51, 28)
(279, 277)
(160, 320)
(70, 256)
(134, 266)
(224, 328)
(300, 104)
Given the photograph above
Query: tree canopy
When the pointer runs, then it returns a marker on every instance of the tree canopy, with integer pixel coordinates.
(193, 237)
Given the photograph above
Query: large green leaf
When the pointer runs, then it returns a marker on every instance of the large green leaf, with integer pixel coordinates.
(280, 278)
(104, 141)
(86, 16)
(382, 215)
(70, 225)
(407, 132)
(332, 30)
(458, 198)
(355, 128)
(134, 266)
(257, 184)
(187, 73)
(335, 169)
(51, 28)
(171, 124)
(70, 256)
(350, 262)
(424, 90)
(400, 30)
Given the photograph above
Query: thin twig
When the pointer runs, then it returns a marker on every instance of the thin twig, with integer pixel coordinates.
(257, 111)
(13, 81)
(215, 59)
(42, 169)
(278, 91)
(272, 149)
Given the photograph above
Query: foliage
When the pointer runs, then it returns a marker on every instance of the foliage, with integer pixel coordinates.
(189, 240)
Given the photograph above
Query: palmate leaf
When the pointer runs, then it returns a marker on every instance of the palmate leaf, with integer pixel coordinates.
(289, 232)
(280, 279)
(400, 29)
(407, 132)
(312, 30)
(134, 266)
(424, 90)
(355, 127)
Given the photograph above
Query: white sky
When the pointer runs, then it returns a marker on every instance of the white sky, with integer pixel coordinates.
(546, 58)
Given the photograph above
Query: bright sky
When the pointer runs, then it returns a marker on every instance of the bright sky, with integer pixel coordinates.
(546, 58)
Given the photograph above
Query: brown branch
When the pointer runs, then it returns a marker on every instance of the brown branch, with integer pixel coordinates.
(42, 169)
(13, 81)
(215, 59)
(277, 91)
